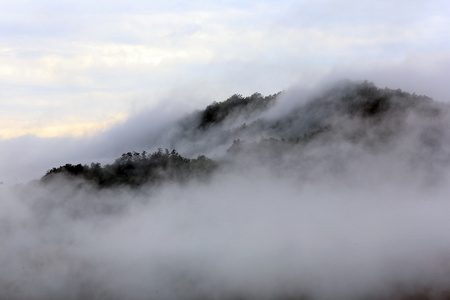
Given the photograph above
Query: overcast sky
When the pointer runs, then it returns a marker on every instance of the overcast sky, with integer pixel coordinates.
(74, 67)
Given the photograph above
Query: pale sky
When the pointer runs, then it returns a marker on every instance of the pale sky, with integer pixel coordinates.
(75, 67)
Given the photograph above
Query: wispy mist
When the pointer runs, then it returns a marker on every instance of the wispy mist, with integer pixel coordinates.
(333, 194)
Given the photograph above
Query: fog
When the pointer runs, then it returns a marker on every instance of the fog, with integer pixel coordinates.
(358, 209)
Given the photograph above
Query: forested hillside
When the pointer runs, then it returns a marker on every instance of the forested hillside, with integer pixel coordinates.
(336, 193)
(242, 129)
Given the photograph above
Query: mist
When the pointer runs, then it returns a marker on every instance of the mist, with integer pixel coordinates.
(28, 157)
(334, 193)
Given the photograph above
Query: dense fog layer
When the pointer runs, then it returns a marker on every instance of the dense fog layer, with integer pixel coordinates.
(339, 193)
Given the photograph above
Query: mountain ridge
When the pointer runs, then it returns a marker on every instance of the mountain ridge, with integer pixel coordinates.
(355, 113)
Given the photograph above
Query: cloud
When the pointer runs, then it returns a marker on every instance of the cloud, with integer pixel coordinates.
(257, 236)
(416, 72)
(335, 221)
(360, 211)
(28, 157)
(129, 51)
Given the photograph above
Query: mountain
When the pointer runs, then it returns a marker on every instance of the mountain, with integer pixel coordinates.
(336, 193)
(349, 119)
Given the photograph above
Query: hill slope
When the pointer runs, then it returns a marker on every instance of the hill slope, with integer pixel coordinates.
(359, 117)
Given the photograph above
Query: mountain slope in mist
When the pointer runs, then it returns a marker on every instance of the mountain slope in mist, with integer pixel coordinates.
(358, 116)
(338, 193)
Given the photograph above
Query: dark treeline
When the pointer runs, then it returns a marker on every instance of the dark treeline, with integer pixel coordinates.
(134, 169)
(236, 104)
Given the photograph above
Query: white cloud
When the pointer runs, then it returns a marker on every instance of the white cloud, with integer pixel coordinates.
(152, 49)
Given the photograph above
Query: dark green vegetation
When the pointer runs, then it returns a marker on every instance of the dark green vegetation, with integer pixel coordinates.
(216, 112)
(135, 169)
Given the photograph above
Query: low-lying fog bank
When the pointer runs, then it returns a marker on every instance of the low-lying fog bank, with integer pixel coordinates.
(341, 194)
